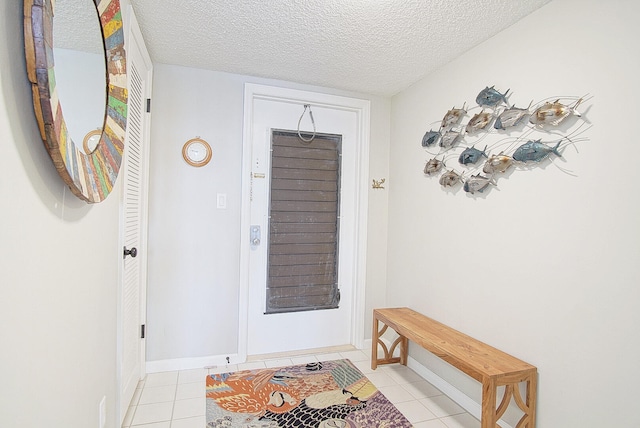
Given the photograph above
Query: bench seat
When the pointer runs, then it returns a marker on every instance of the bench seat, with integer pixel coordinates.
(486, 364)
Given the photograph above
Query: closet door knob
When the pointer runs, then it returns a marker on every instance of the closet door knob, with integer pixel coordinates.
(132, 252)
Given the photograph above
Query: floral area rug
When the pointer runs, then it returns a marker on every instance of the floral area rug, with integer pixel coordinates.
(332, 394)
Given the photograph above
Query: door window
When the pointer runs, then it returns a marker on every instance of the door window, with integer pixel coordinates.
(304, 209)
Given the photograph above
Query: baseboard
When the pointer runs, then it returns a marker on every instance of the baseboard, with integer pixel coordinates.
(463, 400)
(191, 363)
(221, 360)
(287, 354)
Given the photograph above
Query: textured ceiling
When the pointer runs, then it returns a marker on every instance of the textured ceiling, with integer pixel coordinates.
(370, 46)
(76, 26)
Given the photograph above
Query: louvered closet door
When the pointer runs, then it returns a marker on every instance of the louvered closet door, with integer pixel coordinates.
(133, 221)
(132, 218)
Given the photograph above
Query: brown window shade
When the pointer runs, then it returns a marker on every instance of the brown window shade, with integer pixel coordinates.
(303, 228)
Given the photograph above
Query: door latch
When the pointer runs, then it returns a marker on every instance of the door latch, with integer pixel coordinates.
(254, 236)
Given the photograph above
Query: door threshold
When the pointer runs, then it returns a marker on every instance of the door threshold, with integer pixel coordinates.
(326, 350)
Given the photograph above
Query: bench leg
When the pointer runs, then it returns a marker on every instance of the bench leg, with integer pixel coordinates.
(491, 414)
(532, 387)
(404, 350)
(489, 392)
(374, 344)
(528, 406)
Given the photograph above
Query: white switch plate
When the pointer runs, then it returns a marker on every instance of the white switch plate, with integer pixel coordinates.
(221, 200)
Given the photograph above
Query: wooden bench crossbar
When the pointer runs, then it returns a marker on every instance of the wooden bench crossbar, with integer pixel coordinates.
(484, 363)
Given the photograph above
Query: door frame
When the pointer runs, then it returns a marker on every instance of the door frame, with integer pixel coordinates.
(362, 109)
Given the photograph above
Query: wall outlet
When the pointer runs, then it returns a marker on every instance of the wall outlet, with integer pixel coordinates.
(102, 413)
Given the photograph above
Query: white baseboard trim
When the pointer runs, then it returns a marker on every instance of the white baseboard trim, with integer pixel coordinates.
(190, 363)
(221, 360)
(463, 400)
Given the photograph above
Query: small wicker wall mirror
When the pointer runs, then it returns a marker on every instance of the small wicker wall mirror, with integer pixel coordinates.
(89, 175)
(197, 152)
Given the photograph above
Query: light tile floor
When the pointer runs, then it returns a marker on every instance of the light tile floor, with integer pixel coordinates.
(177, 399)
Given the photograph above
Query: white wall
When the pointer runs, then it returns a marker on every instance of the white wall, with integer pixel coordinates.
(194, 248)
(58, 270)
(545, 266)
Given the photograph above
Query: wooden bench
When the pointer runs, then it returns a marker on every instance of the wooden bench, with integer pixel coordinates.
(488, 365)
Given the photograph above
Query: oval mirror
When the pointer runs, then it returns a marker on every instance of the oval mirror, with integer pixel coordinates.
(90, 174)
(78, 50)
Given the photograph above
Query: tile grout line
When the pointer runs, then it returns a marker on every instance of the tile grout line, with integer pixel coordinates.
(175, 396)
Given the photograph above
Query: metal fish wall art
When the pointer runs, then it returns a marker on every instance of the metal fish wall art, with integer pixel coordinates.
(430, 138)
(453, 117)
(490, 97)
(535, 151)
(497, 163)
(471, 155)
(477, 183)
(450, 179)
(433, 166)
(511, 117)
(479, 121)
(450, 138)
(554, 113)
(511, 141)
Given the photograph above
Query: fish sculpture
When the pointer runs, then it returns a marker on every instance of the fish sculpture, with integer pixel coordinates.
(477, 183)
(511, 117)
(554, 113)
(479, 121)
(535, 151)
(433, 165)
(450, 178)
(497, 163)
(471, 155)
(450, 138)
(453, 117)
(430, 138)
(490, 97)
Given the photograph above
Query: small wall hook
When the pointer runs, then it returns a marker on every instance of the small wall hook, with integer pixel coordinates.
(377, 184)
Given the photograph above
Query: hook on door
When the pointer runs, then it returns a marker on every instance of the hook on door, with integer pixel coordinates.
(307, 140)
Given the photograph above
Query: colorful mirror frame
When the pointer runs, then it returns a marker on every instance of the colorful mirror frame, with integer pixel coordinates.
(90, 177)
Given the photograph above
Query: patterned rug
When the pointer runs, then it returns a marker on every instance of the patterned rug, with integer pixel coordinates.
(332, 394)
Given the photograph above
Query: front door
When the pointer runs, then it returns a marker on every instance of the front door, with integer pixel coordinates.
(270, 331)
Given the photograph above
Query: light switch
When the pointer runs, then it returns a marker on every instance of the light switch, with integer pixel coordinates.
(221, 201)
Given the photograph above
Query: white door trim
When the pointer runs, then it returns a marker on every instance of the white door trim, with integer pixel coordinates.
(362, 110)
